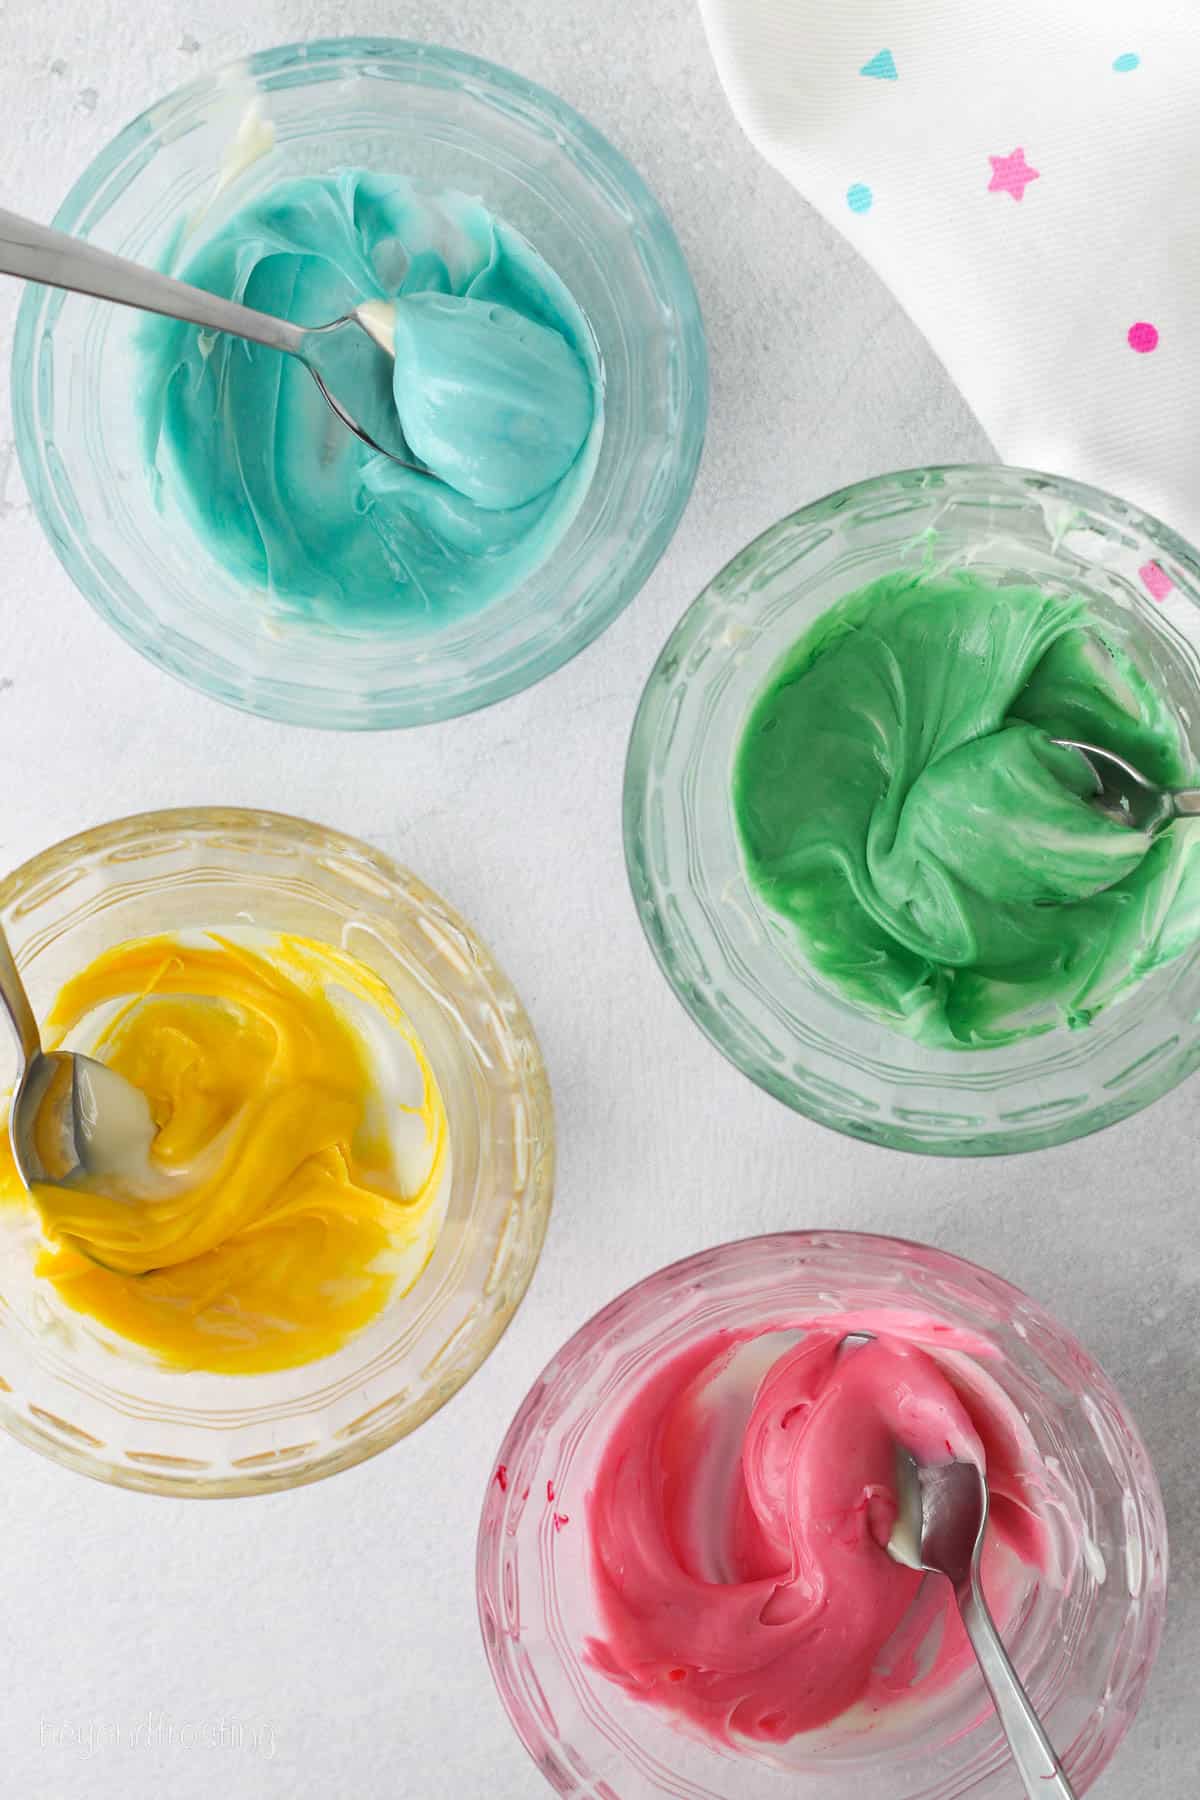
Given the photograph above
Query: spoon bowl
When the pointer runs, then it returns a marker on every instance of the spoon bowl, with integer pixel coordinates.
(1124, 795)
(354, 368)
(942, 1519)
(73, 1121)
(942, 1510)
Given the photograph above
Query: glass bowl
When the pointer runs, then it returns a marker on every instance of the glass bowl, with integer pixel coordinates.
(730, 961)
(448, 121)
(1086, 1654)
(70, 1389)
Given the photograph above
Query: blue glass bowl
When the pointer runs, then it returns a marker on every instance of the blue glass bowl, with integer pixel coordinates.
(448, 121)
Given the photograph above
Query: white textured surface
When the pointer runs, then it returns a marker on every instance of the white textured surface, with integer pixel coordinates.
(339, 1622)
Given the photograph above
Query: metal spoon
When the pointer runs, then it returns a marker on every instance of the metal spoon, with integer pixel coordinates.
(939, 1529)
(350, 360)
(73, 1121)
(943, 1514)
(1124, 795)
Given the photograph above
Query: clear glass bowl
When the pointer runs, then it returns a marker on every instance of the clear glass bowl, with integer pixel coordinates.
(1085, 1655)
(731, 961)
(67, 1387)
(448, 121)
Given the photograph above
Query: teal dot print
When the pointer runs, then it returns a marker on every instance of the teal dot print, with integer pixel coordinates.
(1124, 65)
(859, 197)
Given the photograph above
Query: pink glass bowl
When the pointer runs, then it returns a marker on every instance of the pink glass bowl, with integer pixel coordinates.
(1085, 1653)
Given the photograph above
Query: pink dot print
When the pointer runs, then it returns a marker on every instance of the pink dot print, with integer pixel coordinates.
(1143, 337)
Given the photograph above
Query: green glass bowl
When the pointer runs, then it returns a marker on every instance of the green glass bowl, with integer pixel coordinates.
(447, 121)
(732, 963)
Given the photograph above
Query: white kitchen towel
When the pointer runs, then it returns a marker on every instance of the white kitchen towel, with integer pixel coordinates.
(1025, 176)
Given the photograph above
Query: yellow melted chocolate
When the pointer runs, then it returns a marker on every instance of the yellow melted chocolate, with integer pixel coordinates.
(294, 1187)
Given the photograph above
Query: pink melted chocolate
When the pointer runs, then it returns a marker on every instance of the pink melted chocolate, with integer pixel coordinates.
(739, 1521)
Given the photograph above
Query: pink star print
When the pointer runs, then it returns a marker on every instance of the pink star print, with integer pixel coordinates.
(1011, 175)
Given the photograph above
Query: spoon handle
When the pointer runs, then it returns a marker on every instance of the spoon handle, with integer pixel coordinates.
(20, 1013)
(55, 258)
(1185, 802)
(1032, 1753)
